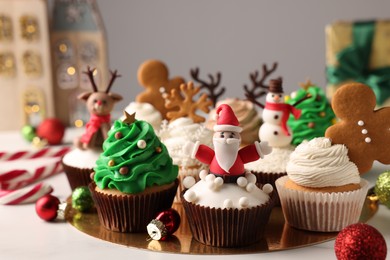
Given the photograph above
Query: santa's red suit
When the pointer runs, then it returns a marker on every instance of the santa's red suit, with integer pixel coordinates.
(247, 154)
(227, 122)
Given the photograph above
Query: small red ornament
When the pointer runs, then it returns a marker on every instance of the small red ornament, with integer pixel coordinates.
(47, 207)
(164, 225)
(52, 130)
(360, 241)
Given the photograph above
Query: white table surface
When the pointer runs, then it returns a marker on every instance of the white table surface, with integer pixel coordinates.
(23, 235)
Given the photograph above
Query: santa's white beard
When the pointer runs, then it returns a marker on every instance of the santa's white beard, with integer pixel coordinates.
(226, 151)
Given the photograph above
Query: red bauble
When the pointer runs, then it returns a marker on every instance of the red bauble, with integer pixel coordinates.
(360, 241)
(52, 130)
(164, 225)
(47, 206)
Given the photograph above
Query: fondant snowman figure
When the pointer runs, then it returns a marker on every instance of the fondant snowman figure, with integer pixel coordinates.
(275, 130)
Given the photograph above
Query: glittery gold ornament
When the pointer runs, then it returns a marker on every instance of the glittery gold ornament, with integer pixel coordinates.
(382, 188)
(111, 163)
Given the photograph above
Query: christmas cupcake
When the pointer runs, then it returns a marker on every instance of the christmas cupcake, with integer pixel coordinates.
(174, 135)
(225, 208)
(323, 190)
(134, 177)
(316, 113)
(247, 116)
(78, 163)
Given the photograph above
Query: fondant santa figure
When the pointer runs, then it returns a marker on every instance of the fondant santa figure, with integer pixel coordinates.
(227, 159)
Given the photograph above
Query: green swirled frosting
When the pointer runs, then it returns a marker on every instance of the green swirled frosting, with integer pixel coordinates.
(316, 115)
(133, 158)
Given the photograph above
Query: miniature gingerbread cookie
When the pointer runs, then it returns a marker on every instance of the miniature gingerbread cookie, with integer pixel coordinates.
(153, 75)
(364, 130)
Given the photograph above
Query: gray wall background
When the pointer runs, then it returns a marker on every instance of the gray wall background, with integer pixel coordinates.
(231, 36)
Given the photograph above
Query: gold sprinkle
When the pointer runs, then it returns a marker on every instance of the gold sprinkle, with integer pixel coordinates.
(111, 163)
(322, 114)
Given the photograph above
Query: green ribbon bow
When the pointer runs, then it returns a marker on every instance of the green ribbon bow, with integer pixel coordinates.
(354, 63)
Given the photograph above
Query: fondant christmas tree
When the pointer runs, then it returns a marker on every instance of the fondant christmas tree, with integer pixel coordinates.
(133, 158)
(316, 113)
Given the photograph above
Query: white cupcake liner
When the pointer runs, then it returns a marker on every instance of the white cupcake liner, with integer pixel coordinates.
(320, 211)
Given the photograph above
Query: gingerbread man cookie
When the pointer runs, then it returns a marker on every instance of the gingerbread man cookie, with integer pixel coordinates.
(362, 129)
(153, 75)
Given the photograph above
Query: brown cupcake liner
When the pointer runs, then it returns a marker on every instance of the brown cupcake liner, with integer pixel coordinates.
(77, 176)
(321, 211)
(131, 213)
(227, 227)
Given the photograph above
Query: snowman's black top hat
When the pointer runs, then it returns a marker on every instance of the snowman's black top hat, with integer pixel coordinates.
(275, 86)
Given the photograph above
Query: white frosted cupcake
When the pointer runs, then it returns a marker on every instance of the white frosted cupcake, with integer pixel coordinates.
(323, 190)
(174, 135)
(78, 165)
(146, 112)
(227, 214)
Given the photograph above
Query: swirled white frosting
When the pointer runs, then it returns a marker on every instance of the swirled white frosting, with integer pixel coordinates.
(175, 134)
(145, 112)
(317, 164)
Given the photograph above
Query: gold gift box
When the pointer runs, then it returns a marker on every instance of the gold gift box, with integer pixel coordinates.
(339, 36)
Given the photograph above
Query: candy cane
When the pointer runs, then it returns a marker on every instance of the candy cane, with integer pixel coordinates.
(16, 179)
(25, 195)
(33, 154)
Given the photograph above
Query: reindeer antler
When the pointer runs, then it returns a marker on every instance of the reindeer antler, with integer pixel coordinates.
(89, 72)
(258, 84)
(114, 75)
(212, 86)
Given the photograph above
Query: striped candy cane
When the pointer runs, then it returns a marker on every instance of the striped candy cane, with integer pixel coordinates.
(16, 179)
(25, 195)
(51, 151)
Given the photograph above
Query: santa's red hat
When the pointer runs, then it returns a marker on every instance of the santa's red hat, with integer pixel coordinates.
(226, 120)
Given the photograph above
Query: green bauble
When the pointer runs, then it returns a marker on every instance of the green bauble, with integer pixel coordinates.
(28, 132)
(82, 199)
(382, 188)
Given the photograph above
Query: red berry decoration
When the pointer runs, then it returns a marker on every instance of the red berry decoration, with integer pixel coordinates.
(52, 130)
(164, 225)
(47, 207)
(360, 241)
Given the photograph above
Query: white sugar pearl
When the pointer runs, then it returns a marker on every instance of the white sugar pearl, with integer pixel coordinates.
(243, 202)
(361, 123)
(210, 178)
(228, 203)
(367, 140)
(242, 181)
(203, 174)
(250, 187)
(218, 182)
(250, 177)
(188, 182)
(364, 131)
(141, 144)
(267, 188)
(190, 196)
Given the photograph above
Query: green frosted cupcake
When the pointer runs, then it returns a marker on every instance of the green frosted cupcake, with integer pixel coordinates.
(316, 114)
(134, 177)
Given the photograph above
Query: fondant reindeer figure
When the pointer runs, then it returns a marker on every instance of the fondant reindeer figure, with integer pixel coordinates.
(99, 105)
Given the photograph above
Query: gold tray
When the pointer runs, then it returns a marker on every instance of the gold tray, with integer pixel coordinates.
(278, 235)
